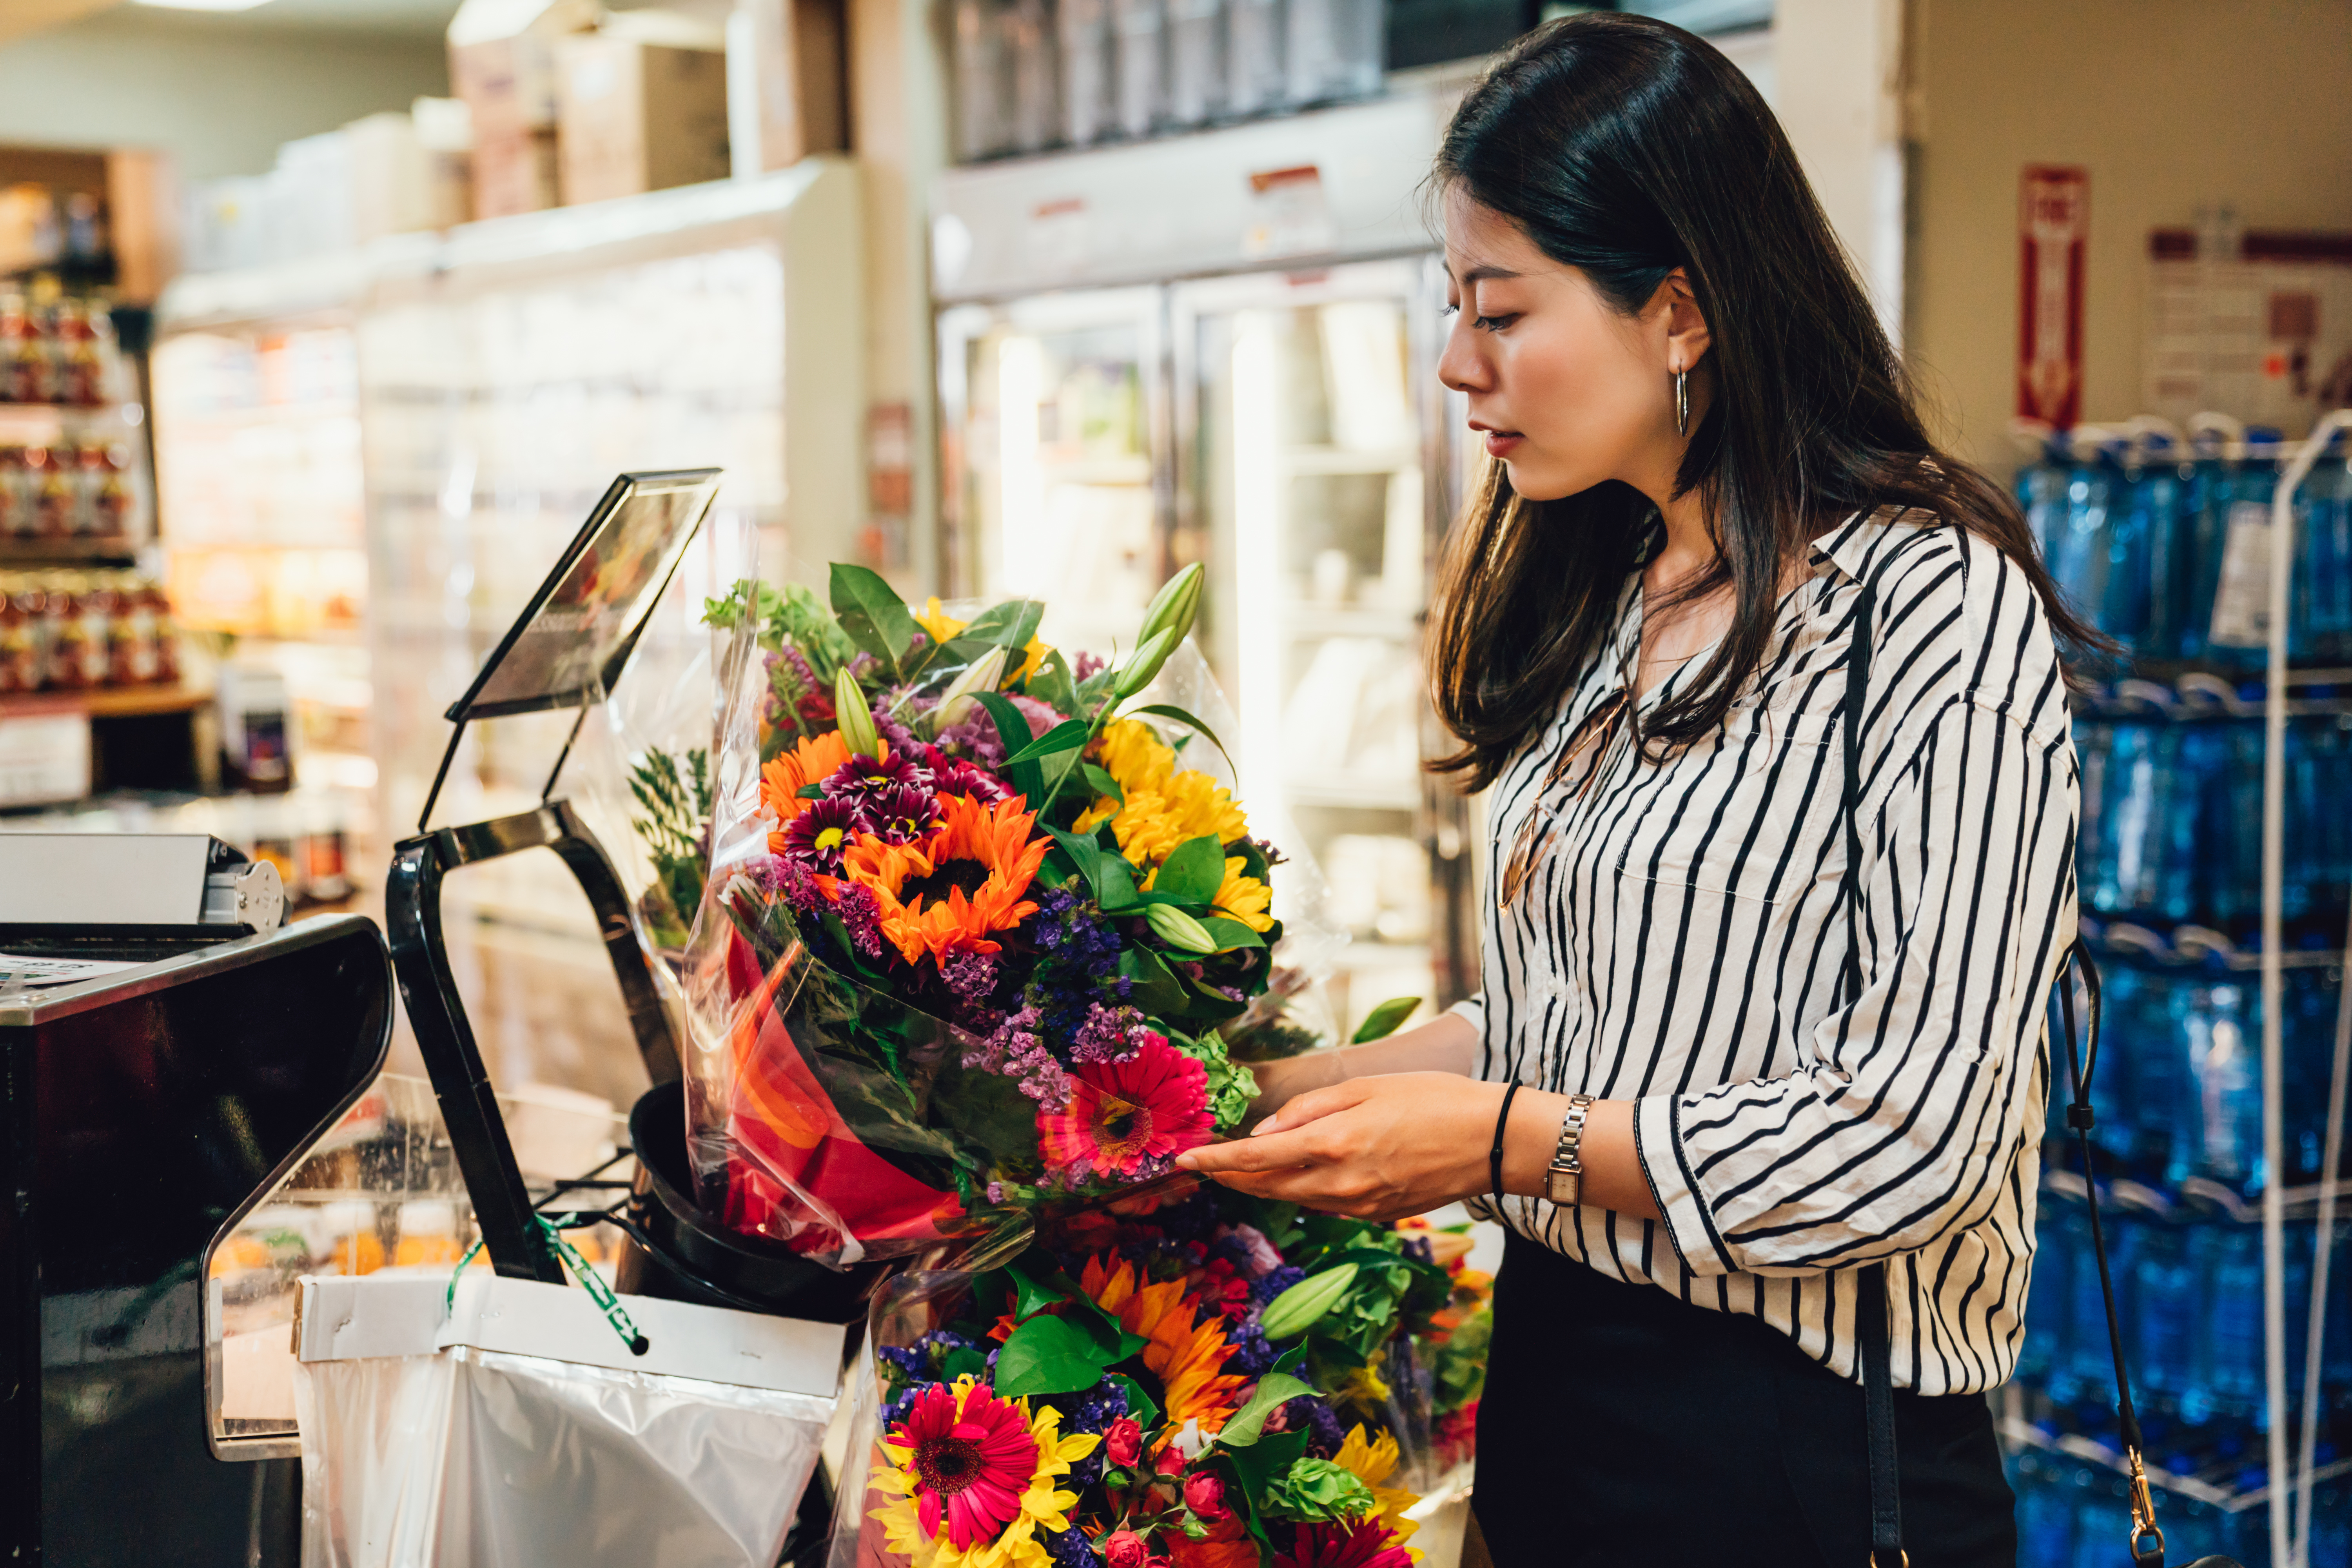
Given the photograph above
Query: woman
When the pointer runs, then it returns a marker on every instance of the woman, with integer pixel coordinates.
(1710, 482)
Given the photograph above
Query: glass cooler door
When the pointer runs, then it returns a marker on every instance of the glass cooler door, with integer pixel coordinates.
(1057, 479)
(1315, 477)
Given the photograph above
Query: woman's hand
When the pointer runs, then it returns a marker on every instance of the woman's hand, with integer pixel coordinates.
(1378, 1148)
(1404, 1143)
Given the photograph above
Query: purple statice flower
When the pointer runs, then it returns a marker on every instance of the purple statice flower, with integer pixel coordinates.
(861, 665)
(775, 877)
(974, 738)
(901, 813)
(892, 730)
(1273, 857)
(1087, 666)
(1109, 1034)
(816, 837)
(862, 918)
(1070, 1547)
(1014, 1050)
(996, 1191)
(1074, 939)
(1418, 1247)
(970, 976)
(1321, 1422)
(1253, 1356)
(863, 779)
(1273, 1282)
(1095, 1411)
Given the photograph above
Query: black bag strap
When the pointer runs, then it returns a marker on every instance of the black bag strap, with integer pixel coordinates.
(1870, 1326)
(1871, 1332)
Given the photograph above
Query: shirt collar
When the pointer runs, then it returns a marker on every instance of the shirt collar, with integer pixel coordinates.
(1851, 544)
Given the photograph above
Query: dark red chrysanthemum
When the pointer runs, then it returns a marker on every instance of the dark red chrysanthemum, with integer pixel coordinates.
(902, 812)
(816, 837)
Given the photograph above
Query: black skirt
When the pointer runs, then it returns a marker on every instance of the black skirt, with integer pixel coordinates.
(1622, 1426)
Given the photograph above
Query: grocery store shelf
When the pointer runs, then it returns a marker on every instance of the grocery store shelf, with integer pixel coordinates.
(38, 424)
(107, 702)
(74, 549)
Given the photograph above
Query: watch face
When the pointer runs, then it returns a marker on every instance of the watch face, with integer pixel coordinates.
(1561, 1186)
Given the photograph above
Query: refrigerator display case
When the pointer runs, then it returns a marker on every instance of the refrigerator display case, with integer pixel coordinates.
(1266, 404)
(487, 383)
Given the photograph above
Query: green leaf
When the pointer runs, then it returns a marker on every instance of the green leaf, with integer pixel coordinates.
(1259, 1466)
(1085, 857)
(872, 613)
(1069, 735)
(1102, 783)
(1117, 893)
(1170, 711)
(1382, 1020)
(1140, 1405)
(1028, 613)
(1193, 872)
(1011, 729)
(1155, 989)
(1274, 1390)
(963, 1361)
(1052, 684)
(1051, 1354)
(810, 791)
(1230, 935)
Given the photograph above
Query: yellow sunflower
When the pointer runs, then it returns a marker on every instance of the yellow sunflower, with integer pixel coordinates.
(1186, 1347)
(1131, 752)
(1373, 1461)
(1245, 899)
(1153, 823)
(903, 1478)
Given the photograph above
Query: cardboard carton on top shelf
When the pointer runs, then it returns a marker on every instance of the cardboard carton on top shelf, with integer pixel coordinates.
(787, 84)
(638, 116)
(502, 59)
(515, 172)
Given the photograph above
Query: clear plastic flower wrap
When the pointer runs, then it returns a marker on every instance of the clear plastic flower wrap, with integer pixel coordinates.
(1202, 1380)
(976, 914)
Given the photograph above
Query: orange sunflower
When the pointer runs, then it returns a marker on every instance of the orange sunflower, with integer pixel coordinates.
(954, 888)
(813, 761)
(1187, 1349)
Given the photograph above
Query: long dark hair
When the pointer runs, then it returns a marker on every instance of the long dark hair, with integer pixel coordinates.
(1627, 148)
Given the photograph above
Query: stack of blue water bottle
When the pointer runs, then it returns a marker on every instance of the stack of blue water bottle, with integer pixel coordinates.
(2162, 543)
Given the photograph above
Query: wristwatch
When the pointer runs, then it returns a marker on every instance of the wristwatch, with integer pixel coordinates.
(1564, 1177)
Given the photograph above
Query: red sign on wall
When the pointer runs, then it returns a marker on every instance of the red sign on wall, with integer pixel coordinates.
(2053, 219)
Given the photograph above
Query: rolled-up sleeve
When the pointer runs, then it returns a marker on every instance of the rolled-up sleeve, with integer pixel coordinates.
(1899, 1124)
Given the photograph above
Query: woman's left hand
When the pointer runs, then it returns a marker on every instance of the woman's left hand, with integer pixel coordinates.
(1376, 1148)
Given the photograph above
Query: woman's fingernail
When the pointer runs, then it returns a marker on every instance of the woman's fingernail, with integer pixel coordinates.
(1263, 1128)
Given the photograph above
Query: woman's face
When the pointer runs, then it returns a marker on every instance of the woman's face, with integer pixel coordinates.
(1566, 391)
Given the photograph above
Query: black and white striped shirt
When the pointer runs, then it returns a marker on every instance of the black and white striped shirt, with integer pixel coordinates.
(1681, 943)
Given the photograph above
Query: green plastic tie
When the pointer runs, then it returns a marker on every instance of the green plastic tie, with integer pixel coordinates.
(587, 1276)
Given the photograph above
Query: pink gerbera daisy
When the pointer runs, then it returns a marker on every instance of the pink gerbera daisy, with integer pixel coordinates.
(1123, 1115)
(1356, 1543)
(970, 1465)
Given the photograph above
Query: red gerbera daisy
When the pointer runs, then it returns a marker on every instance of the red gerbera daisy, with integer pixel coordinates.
(1151, 1107)
(1358, 1544)
(970, 1465)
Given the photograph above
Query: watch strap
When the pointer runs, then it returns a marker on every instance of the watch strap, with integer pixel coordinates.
(1564, 1177)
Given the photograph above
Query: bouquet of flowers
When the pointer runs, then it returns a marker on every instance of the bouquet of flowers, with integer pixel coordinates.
(1218, 1382)
(972, 924)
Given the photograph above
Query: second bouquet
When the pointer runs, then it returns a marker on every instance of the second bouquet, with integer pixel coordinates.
(972, 924)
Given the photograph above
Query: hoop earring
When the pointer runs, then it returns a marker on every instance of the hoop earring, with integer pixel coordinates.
(1682, 403)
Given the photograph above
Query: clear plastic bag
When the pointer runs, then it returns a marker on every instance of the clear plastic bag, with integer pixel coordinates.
(487, 1455)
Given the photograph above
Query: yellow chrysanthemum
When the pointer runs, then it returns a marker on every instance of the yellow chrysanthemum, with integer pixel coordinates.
(1373, 1461)
(937, 624)
(1134, 754)
(1153, 823)
(1245, 899)
(1043, 1503)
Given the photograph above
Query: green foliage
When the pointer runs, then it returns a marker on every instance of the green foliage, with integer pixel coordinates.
(871, 615)
(1231, 1086)
(1306, 1303)
(1382, 1020)
(1316, 1491)
(1274, 1390)
(673, 796)
(1459, 1367)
